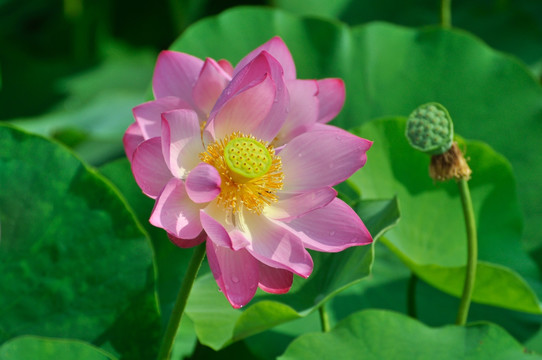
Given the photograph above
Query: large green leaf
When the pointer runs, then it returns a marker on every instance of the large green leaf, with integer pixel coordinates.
(73, 260)
(33, 347)
(431, 238)
(386, 288)
(510, 26)
(390, 70)
(378, 334)
(218, 324)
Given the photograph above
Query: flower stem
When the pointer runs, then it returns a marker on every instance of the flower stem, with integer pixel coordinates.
(180, 303)
(472, 252)
(411, 295)
(446, 13)
(324, 318)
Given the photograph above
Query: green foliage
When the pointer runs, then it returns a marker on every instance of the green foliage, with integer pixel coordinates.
(368, 334)
(33, 347)
(74, 261)
(439, 256)
(511, 26)
(391, 70)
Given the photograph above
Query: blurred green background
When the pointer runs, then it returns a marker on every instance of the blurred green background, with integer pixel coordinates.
(73, 69)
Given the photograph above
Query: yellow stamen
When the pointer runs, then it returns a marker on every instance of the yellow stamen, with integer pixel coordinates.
(250, 171)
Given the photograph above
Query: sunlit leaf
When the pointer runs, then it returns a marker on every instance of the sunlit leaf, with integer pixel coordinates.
(378, 334)
(33, 347)
(389, 70)
(510, 26)
(431, 238)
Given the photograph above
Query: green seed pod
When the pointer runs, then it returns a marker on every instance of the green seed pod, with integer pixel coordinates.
(430, 129)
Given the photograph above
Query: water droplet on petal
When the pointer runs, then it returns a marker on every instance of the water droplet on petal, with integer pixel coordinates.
(354, 239)
(331, 233)
(235, 279)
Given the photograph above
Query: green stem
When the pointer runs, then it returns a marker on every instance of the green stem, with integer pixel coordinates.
(324, 318)
(411, 295)
(180, 303)
(472, 252)
(446, 13)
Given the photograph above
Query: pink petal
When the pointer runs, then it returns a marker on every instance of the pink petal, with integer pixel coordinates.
(332, 228)
(150, 170)
(263, 71)
(319, 159)
(278, 49)
(131, 139)
(235, 272)
(181, 141)
(246, 110)
(303, 111)
(276, 246)
(291, 206)
(175, 212)
(188, 243)
(175, 74)
(221, 227)
(211, 82)
(148, 114)
(331, 96)
(226, 66)
(273, 280)
(203, 183)
(238, 239)
(215, 230)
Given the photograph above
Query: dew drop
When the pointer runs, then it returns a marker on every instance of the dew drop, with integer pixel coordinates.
(235, 279)
(331, 233)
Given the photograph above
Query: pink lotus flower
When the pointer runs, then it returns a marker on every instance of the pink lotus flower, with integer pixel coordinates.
(242, 158)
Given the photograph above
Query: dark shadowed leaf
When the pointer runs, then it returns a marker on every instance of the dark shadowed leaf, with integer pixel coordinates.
(73, 260)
